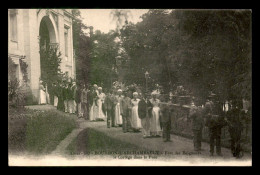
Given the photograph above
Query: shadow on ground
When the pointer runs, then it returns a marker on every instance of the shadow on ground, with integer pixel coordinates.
(90, 141)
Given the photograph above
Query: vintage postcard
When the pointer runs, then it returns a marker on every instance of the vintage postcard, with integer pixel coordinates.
(129, 87)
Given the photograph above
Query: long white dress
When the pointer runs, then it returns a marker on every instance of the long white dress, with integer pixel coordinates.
(136, 121)
(42, 99)
(155, 122)
(118, 116)
(47, 95)
(93, 114)
(101, 98)
(56, 101)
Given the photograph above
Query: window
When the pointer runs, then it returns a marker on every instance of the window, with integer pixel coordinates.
(13, 25)
(66, 41)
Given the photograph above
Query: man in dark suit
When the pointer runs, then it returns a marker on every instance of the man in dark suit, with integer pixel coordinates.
(78, 100)
(109, 108)
(84, 104)
(61, 97)
(125, 107)
(214, 121)
(235, 127)
(197, 125)
(165, 119)
(145, 114)
(66, 97)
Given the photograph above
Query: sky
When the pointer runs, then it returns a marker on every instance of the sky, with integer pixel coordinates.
(100, 18)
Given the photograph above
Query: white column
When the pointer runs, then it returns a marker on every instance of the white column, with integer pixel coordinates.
(61, 39)
(31, 47)
(71, 51)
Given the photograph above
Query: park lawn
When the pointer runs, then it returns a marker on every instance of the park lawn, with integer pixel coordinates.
(89, 141)
(37, 132)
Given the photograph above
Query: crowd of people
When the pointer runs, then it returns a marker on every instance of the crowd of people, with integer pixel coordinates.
(136, 112)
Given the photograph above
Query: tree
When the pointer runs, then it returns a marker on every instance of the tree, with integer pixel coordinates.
(50, 66)
(104, 59)
(120, 17)
(82, 45)
(203, 50)
(95, 55)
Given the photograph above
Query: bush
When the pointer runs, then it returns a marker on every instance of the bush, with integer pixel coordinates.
(46, 129)
(18, 96)
(37, 131)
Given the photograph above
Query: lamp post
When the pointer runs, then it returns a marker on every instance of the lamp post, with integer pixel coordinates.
(146, 74)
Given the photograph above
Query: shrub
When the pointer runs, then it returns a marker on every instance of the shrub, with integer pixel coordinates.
(37, 131)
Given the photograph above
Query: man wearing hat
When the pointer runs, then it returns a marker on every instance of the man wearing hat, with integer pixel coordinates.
(214, 121)
(109, 109)
(165, 118)
(145, 114)
(125, 107)
(235, 126)
(84, 104)
(195, 115)
(66, 96)
(72, 103)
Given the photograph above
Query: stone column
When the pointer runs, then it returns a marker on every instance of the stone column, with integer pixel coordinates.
(31, 45)
(61, 39)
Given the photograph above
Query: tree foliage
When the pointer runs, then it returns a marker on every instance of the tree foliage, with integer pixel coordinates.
(203, 50)
(50, 66)
(82, 45)
(104, 59)
(95, 55)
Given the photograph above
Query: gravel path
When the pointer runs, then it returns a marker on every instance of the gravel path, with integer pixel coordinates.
(179, 148)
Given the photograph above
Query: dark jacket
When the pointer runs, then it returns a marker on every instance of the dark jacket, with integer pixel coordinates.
(197, 119)
(84, 96)
(214, 115)
(108, 103)
(234, 120)
(144, 107)
(78, 95)
(65, 93)
(125, 105)
(165, 114)
(74, 92)
(92, 96)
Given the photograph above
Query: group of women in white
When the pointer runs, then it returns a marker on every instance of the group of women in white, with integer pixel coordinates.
(96, 112)
(153, 123)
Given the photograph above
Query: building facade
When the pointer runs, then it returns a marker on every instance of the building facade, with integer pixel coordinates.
(25, 28)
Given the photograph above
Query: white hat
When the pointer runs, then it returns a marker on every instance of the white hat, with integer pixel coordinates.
(155, 92)
(100, 88)
(95, 85)
(119, 90)
(135, 93)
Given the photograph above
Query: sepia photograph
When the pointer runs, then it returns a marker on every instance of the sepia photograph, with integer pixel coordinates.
(129, 87)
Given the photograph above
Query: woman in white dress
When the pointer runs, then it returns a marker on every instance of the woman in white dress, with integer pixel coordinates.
(55, 97)
(42, 99)
(47, 95)
(118, 116)
(100, 101)
(155, 122)
(136, 121)
(94, 108)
